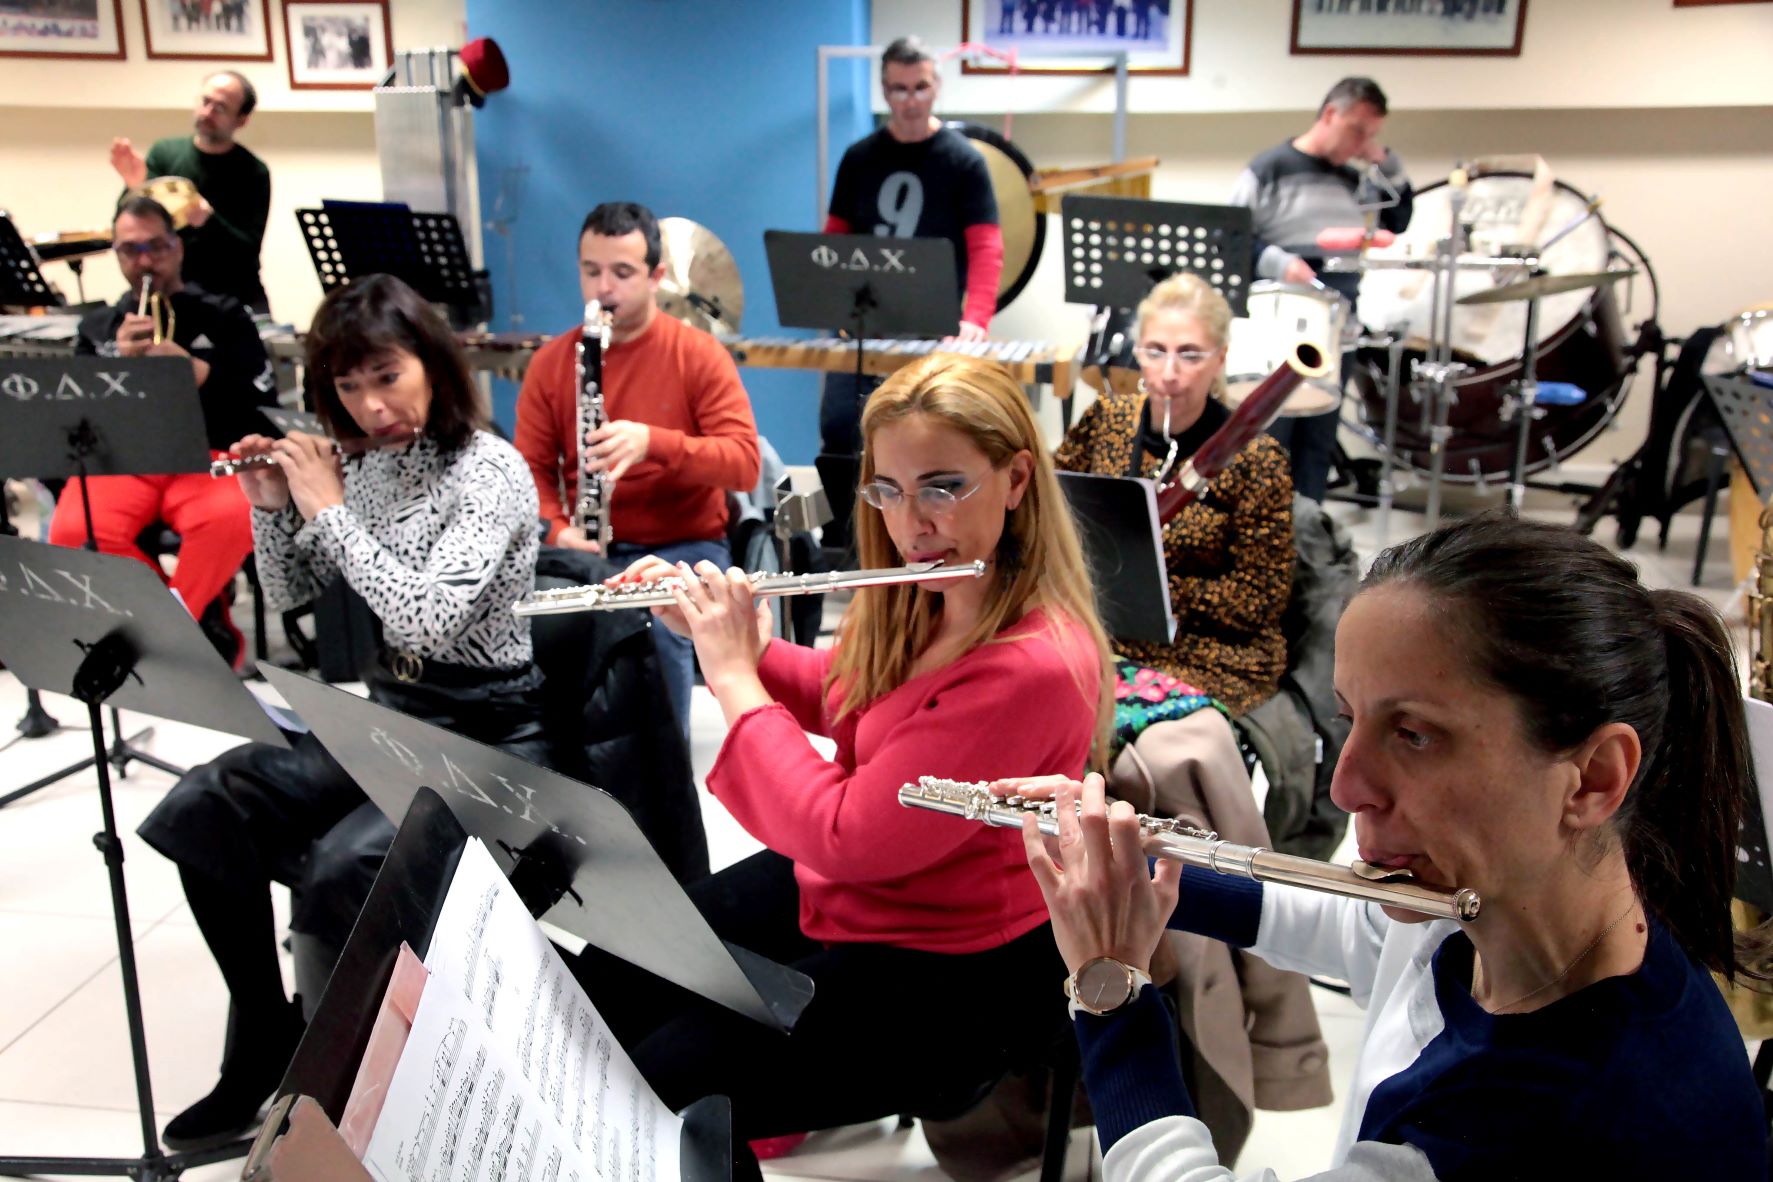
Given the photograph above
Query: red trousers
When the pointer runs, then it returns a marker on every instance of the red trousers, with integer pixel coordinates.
(211, 517)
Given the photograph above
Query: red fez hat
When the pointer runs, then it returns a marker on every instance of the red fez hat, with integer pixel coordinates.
(483, 65)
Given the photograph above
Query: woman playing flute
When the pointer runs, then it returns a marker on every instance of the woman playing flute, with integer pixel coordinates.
(877, 904)
(1529, 720)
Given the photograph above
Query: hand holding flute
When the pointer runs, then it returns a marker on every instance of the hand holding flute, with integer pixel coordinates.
(303, 468)
(728, 624)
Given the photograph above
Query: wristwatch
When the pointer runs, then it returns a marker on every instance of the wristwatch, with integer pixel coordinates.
(1103, 984)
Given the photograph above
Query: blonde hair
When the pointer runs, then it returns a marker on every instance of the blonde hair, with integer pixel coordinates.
(886, 628)
(1198, 298)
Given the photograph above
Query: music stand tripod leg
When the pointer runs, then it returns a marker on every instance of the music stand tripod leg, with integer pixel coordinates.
(107, 672)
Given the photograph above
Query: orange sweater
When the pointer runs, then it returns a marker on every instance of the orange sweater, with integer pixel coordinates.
(683, 385)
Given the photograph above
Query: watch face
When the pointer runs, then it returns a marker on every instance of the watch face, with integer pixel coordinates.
(1103, 984)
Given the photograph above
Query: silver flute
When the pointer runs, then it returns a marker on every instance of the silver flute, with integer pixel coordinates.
(346, 447)
(599, 598)
(1203, 848)
(591, 513)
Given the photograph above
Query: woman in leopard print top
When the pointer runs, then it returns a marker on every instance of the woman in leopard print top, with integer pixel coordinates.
(1230, 553)
(438, 536)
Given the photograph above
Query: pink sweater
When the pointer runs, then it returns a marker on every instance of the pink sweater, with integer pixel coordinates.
(869, 869)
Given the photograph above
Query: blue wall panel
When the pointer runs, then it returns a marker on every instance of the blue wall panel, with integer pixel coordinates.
(704, 109)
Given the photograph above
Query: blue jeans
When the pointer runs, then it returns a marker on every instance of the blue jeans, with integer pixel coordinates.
(677, 656)
(1311, 443)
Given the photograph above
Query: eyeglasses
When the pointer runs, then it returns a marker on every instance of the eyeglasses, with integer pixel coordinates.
(1160, 358)
(935, 500)
(898, 94)
(153, 248)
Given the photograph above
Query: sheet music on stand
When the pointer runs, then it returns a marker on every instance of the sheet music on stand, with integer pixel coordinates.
(21, 283)
(1118, 248)
(488, 1061)
(426, 251)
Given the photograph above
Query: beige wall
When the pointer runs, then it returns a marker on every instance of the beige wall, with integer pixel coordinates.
(57, 119)
(1587, 53)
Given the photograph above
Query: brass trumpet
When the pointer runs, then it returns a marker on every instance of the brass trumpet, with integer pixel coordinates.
(1170, 839)
(159, 307)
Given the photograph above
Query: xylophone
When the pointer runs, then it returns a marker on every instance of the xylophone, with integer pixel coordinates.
(1032, 362)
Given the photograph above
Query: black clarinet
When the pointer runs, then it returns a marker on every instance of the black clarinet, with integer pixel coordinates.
(591, 513)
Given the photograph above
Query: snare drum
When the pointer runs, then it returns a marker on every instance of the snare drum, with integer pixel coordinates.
(1282, 315)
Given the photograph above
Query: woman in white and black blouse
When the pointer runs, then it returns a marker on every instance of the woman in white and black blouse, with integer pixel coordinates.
(438, 535)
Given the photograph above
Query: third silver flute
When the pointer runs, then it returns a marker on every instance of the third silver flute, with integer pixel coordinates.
(1199, 847)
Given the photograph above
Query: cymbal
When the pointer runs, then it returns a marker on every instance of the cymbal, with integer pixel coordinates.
(176, 193)
(1545, 285)
(701, 285)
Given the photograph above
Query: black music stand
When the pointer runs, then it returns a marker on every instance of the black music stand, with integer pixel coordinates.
(572, 851)
(425, 250)
(1123, 541)
(1118, 248)
(101, 416)
(286, 420)
(403, 907)
(21, 283)
(103, 628)
(861, 284)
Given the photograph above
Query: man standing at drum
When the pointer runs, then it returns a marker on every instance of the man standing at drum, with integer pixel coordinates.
(1335, 174)
(913, 178)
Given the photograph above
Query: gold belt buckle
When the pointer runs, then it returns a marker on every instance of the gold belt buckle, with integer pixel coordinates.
(407, 667)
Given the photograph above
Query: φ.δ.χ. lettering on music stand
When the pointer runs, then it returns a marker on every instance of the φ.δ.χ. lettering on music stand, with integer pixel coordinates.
(103, 628)
(101, 416)
(1118, 248)
(862, 284)
(426, 251)
(573, 851)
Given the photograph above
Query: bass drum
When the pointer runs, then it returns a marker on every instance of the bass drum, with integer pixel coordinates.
(1581, 337)
(1024, 230)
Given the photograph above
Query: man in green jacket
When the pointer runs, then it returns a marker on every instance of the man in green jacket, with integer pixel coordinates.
(225, 224)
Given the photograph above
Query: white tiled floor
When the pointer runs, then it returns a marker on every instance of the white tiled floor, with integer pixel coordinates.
(65, 1080)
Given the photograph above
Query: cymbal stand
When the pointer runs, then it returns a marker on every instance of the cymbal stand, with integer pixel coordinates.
(1394, 356)
(1522, 400)
(1441, 373)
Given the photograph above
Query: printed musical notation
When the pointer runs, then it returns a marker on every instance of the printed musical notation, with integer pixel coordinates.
(534, 1085)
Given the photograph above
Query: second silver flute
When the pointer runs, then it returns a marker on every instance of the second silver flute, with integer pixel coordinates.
(1199, 847)
(598, 598)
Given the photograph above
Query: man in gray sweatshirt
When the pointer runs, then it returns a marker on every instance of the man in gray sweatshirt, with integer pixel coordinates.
(1313, 182)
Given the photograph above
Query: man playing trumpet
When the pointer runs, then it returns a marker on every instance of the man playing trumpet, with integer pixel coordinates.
(162, 316)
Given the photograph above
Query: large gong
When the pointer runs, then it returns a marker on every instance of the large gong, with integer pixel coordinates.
(1024, 230)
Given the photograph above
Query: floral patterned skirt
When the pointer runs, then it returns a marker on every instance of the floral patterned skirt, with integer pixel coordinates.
(1143, 695)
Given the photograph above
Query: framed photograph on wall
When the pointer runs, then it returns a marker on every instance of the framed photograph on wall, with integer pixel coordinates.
(337, 44)
(66, 28)
(202, 29)
(1473, 28)
(1049, 35)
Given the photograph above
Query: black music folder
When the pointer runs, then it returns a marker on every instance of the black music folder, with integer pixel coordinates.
(1124, 547)
(604, 882)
